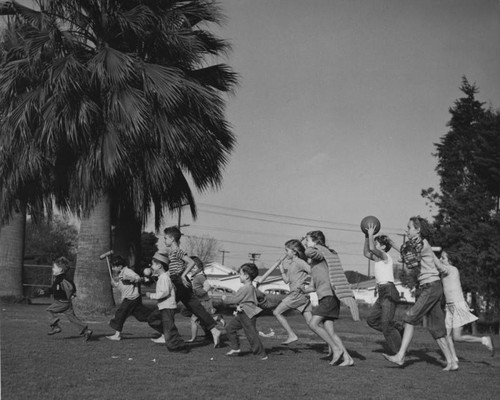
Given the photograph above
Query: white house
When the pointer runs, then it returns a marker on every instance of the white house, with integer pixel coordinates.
(366, 291)
(220, 276)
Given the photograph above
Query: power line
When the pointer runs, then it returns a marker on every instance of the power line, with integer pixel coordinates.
(220, 229)
(277, 222)
(286, 216)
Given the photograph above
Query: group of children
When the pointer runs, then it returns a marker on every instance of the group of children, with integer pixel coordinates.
(317, 287)
(437, 280)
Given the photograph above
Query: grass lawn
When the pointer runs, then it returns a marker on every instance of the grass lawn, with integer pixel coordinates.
(37, 366)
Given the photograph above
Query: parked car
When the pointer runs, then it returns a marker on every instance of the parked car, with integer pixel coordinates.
(216, 295)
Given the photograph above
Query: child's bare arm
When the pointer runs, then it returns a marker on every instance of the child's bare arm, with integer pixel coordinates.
(189, 266)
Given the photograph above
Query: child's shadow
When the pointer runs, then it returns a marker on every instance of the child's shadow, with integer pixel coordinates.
(421, 356)
(323, 348)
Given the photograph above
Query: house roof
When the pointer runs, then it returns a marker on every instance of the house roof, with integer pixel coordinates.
(217, 269)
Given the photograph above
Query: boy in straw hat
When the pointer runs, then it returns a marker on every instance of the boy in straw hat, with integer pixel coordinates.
(167, 304)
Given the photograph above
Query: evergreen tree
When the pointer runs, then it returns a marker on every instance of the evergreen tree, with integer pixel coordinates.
(467, 223)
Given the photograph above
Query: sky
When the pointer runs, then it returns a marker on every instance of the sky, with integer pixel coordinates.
(339, 106)
(338, 109)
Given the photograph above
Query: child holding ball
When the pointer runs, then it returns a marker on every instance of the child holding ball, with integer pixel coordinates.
(167, 304)
(418, 254)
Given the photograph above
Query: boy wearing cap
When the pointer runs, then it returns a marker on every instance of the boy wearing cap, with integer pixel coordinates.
(167, 304)
(63, 291)
(128, 283)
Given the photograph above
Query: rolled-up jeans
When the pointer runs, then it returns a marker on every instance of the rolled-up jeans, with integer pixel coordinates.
(429, 304)
(381, 317)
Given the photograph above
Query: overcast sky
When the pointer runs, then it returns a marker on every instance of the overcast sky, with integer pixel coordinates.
(336, 117)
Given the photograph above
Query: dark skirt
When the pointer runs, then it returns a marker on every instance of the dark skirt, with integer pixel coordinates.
(328, 308)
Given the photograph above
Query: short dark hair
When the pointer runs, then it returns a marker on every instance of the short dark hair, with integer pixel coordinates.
(173, 232)
(117, 261)
(63, 263)
(251, 270)
(317, 237)
(198, 262)
(384, 241)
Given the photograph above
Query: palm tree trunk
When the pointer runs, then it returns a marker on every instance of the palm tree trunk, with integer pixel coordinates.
(93, 288)
(11, 257)
(127, 239)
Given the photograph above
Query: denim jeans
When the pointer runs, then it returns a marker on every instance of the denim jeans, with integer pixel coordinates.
(381, 317)
(241, 321)
(164, 319)
(66, 308)
(429, 304)
(185, 296)
(127, 308)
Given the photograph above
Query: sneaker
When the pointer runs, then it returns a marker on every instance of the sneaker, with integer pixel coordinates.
(114, 337)
(87, 335)
(54, 330)
(232, 353)
(160, 340)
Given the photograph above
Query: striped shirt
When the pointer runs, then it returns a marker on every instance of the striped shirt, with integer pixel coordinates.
(177, 264)
(337, 278)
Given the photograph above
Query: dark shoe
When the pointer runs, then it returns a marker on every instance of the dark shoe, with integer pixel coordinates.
(86, 335)
(54, 324)
(183, 350)
(54, 330)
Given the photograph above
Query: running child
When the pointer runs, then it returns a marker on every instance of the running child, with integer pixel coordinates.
(167, 304)
(417, 253)
(63, 291)
(457, 311)
(296, 274)
(179, 267)
(328, 308)
(201, 289)
(382, 313)
(128, 283)
(246, 313)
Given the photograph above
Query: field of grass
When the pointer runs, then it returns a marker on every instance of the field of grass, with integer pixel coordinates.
(37, 366)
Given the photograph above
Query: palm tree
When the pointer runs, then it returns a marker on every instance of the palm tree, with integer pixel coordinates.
(130, 107)
(24, 168)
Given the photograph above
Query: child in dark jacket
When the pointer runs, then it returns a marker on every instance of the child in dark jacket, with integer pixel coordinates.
(63, 291)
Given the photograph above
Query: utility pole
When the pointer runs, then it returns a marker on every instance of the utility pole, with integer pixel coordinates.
(223, 254)
(254, 256)
(179, 216)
